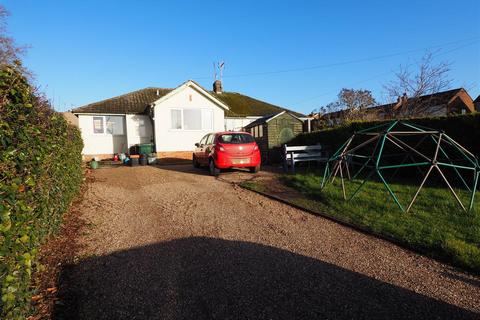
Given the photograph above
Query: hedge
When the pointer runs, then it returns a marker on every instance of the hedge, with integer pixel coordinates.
(40, 174)
(465, 129)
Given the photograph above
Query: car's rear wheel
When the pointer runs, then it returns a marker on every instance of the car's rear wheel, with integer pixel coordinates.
(214, 171)
(254, 169)
(195, 162)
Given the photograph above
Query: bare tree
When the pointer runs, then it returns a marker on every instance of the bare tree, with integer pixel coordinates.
(10, 52)
(408, 86)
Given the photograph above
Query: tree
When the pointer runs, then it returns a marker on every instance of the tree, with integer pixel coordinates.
(429, 78)
(352, 104)
(10, 52)
(355, 100)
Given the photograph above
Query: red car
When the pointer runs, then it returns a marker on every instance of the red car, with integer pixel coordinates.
(223, 150)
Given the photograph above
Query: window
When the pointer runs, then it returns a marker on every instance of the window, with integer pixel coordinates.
(97, 124)
(191, 119)
(235, 138)
(176, 119)
(210, 138)
(255, 131)
(204, 140)
(141, 130)
(207, 119)
(114, 125)
(260, 131)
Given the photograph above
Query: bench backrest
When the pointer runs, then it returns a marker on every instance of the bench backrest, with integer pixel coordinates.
(303, 152)
(315, 148)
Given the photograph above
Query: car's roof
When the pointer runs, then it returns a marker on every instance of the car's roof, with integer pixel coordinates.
(230, 132)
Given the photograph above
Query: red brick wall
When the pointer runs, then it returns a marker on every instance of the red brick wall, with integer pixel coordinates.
(185, 155)
(163, 157)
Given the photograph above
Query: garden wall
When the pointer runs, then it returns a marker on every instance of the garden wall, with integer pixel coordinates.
(40, 174)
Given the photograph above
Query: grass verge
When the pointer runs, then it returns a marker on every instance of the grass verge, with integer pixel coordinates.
(436, 226)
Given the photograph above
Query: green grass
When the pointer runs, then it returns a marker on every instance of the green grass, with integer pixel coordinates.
(436, 225)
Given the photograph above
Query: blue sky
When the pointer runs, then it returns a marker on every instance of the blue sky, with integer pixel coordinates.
(297, 54)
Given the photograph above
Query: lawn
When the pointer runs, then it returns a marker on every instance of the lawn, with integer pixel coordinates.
(435, 226)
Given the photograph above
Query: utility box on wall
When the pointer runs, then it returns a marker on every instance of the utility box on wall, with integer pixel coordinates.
(271, 132)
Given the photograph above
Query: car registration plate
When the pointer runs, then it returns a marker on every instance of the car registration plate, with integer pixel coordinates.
(241, 161)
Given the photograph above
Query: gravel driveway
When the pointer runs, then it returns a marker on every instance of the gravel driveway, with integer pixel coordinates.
(172, 242)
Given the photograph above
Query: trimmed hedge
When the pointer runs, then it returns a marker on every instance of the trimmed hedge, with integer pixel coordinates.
(465, 129)
(40, 174)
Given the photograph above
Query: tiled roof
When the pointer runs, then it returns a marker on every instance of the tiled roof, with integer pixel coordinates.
(241, 106)
(133, 102)
(435, 99)
(138, 101)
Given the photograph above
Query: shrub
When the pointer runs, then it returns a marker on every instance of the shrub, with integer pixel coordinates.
(40, 174)
(465, 129)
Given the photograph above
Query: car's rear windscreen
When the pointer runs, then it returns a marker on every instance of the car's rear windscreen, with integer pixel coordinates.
(235, 138)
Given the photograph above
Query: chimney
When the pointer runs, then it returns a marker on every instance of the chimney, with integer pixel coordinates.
(217, 86)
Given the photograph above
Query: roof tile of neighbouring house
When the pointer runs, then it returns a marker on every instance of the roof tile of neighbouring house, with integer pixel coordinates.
(438, 98)
(138, 101)
(476, 102)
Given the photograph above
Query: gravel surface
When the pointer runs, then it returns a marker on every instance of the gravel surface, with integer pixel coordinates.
(172, 242)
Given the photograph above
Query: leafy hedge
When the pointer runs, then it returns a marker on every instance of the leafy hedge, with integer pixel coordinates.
(465, 129)
(40, 174)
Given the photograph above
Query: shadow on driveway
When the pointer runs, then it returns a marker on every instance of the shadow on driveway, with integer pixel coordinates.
(207, 278)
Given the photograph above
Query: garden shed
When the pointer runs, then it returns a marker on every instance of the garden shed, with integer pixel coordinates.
(271, 132)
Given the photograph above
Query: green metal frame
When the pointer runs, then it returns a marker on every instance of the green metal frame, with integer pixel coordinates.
(392, 133)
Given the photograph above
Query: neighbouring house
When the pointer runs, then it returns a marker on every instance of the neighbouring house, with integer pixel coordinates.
(173, 120)
(272, 131)
(71, 118)
(476, 102)
(445, 103)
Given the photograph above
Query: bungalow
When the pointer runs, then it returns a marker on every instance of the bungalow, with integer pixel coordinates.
(172, 119)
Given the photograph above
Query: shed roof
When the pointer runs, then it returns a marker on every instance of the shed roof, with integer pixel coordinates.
(269, 117)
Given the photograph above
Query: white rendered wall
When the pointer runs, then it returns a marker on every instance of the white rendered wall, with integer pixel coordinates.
(237, 124)
(99, 143)
(136, 133)
(168, 139)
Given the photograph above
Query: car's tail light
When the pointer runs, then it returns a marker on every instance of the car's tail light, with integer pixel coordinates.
(255, 148)
(220, 148)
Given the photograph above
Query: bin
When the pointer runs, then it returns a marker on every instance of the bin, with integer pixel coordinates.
(145, 148)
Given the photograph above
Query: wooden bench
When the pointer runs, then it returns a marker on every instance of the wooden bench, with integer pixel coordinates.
(294, 154)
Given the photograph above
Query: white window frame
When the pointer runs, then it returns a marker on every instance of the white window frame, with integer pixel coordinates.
(104, 125)
(183, 118)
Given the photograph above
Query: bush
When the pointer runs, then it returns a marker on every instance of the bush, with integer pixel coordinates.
(465, 129)
(40, 174)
